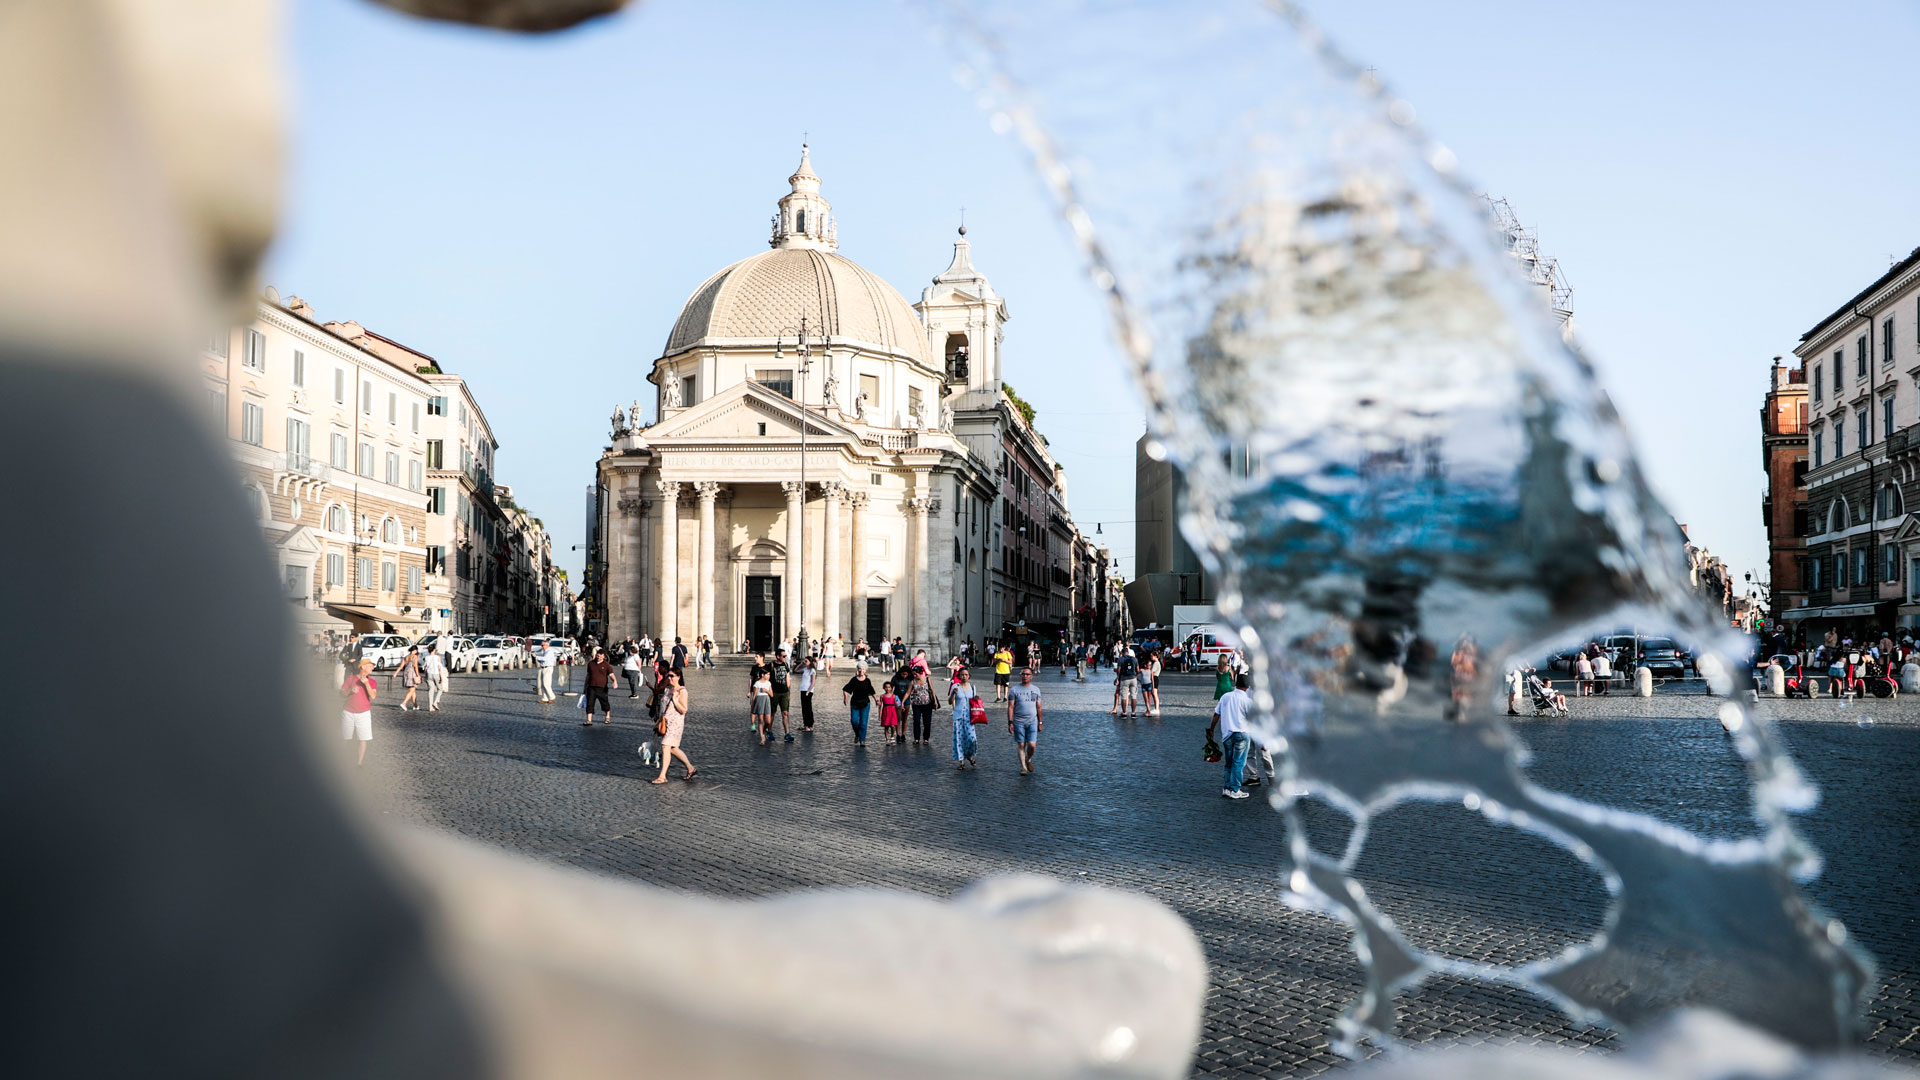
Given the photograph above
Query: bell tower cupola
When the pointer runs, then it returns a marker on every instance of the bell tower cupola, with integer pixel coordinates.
(805, 218)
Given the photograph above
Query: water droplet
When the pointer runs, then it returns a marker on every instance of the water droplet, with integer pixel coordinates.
(1117, 1044)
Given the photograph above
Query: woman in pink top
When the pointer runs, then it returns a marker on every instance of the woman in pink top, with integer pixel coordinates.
(356, 720)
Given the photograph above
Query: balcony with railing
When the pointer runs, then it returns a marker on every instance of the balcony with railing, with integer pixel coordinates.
(904, 441)
(306, 465)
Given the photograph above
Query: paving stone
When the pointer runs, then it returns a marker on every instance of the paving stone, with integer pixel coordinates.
(1130, 804)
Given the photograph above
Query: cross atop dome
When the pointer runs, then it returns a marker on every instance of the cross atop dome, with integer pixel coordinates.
(805, 218)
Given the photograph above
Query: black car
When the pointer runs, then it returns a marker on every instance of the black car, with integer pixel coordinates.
(1663, 657)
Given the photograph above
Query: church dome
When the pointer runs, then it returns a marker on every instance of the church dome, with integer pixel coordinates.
(758, 298)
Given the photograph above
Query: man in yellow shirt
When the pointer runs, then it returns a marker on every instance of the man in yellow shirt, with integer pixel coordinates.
(1002, 672)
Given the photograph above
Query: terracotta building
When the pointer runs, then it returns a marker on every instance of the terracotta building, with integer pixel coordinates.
(1783, 506)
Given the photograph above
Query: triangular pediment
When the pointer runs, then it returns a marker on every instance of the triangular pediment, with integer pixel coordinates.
(299, 540)
(737, 413)
(1909, 530)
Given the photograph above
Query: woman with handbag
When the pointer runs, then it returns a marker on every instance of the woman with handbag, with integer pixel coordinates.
(671, 725)
(920, 700)
(968, 710)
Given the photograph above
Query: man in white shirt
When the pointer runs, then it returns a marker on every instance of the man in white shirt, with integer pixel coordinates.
(546, 656)
(1230, 717)
(435, 667)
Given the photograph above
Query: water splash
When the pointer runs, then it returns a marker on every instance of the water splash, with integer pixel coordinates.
(1402, 477)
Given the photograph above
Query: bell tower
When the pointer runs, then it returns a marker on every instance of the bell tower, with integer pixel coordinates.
(805, 217)
(965, 320)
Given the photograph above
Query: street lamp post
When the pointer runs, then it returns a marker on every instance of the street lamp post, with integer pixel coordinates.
(803, 352)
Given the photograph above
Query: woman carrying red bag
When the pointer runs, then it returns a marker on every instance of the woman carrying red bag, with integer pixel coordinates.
(968, 710)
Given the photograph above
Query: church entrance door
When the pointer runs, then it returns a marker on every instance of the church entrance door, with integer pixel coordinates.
(876, 620)
(763, 611)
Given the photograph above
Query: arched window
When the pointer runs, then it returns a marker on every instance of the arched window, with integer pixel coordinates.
(1837, 515)
(1890, 505)
(800, 222)
(257, 502)
(336, 518)
(390, 531)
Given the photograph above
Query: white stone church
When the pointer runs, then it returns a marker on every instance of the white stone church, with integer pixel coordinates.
(824, 450)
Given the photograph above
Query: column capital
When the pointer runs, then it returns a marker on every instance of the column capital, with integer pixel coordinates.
(857, 499)
(669, 490)
(833, 490)
(918, 505)
(632, 505)
(794, 489)
(933, 504)
(706, 490)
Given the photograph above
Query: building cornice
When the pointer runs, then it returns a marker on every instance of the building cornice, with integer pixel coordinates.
(1865, 304)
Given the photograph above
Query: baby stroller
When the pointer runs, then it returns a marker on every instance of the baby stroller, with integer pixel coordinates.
(1545, 701)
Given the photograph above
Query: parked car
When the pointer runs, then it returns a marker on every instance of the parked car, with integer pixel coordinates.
(492, 651)
(460, 652)
(385, 650)
(1663, 657)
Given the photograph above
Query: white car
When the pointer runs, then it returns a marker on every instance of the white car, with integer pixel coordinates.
(385, 650)
(492, 651)
(460, 653)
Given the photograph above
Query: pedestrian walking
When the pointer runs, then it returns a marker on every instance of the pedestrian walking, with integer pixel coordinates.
(1002, 672)
(410, 678)
(679, 658)
(1516, 683)
(1080, 662)
(1024, 719)
(920, 701)
(1126, 682)
(671, 727)
(630, 667)
(809, 673)
(599, 681)
(890, 715)
(435, 667)
(1222, 677)
(1150, 684)
(780, 677)
(1230, 719)
(760, 707)
(966, 706)
(545, 658)
(356, 718)
(857, 695)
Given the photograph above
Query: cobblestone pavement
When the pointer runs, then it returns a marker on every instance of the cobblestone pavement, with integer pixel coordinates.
(1130, 804)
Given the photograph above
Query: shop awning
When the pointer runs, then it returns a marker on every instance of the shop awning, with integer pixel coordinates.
(1838, 611)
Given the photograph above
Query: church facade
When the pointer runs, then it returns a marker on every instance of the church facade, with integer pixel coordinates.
(826, 455)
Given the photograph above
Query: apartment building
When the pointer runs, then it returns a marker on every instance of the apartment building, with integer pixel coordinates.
(330, 441)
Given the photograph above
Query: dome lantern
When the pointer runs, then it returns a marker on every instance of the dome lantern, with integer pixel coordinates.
(805, 217)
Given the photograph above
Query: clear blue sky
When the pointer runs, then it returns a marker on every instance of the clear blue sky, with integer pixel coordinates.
(533, 211)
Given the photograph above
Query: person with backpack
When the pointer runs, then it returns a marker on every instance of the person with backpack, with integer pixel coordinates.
(780, 675)
(968, 710)
(1126, 672)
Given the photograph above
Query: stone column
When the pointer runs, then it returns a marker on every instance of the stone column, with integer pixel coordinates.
(723, 592)
(667, 610)
(706, 491)
(833, 596)
(626, 575)
(939, 592)
(917, 574)
(790, 587)
(857, 540)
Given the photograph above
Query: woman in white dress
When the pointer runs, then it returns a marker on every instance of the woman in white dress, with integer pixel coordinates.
(673, 718)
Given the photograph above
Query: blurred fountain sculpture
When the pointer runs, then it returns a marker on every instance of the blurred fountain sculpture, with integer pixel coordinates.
(197, 896)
